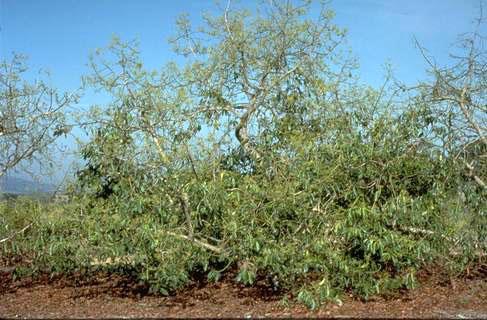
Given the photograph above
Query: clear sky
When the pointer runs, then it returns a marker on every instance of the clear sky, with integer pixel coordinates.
(58, 35)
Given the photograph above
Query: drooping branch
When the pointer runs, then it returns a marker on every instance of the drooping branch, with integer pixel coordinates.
(200, 243)
(16, 233)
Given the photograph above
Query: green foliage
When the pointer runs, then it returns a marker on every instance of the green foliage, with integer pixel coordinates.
(325, 187)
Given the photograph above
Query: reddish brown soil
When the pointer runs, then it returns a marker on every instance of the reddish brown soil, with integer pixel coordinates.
(113, 296)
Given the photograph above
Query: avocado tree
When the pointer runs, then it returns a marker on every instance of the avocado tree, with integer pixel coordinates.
(32, 117)
(458, 94)
(262, 152)
(247, 78)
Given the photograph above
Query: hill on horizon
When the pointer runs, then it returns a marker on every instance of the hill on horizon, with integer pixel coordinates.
(19, 185)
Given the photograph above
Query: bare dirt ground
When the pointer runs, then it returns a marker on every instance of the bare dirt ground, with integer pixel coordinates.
(110, 296)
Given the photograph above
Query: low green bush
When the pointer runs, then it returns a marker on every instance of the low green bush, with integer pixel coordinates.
(331, 219)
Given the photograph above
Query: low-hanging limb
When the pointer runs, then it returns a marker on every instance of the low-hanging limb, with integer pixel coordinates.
(200, 243)
(16, 233)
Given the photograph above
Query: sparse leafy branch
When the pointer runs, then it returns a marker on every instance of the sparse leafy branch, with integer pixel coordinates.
(32, 117)
(459, 93)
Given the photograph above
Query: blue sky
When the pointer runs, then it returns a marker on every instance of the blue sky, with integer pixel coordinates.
(58, 35)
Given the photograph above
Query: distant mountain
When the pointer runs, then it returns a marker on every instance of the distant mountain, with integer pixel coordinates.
(17, 185)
